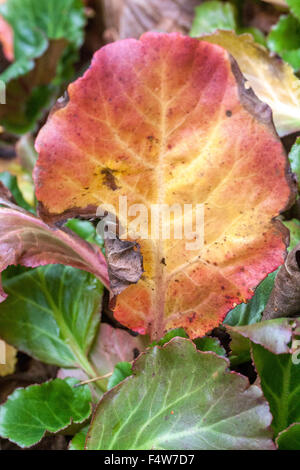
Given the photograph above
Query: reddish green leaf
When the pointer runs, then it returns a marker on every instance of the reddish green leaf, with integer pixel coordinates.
(27, 240)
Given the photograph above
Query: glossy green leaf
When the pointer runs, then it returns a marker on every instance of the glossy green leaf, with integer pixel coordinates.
(247, 314)
(211, 16)
(52, 313)
(30, 412)
(294, 7)
(289, 439)
(85, 230)
(284, 39)
(280, 381)
(181, 398)
(207, 343)
(121, 371)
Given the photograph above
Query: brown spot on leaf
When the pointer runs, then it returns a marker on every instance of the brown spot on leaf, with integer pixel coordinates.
(109, 179)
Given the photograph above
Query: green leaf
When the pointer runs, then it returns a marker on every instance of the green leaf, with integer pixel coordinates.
(246, 314)
(289, 439)
(294, 158)
(170, 335)
(280, 381)
(79, 439)
(258, 36)
(211, 16)
(294, 228)
(111, 346)
(52, 313)
(10, 181)
(121, 371)
(284, 39)
(206, 343)
(181, 398)
(30, 412)
(44, 31)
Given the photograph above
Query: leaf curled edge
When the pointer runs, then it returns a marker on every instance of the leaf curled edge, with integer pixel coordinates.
(28, 241)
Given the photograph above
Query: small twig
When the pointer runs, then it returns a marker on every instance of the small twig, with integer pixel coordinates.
(95, 379)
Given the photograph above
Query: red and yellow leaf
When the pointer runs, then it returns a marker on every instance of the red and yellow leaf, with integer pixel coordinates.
(28, 241)
(167, 120)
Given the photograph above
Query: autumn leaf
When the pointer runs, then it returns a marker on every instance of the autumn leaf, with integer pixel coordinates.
(167, 120)
(273, 80)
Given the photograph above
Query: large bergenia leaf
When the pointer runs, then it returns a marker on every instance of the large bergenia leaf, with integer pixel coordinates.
(272, 79)
(284, 300)
(28, 241)
(6, 39)
(169, 406)
(49, 407)
(167, 120)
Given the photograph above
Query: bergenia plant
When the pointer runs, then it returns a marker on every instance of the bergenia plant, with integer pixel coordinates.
(150, 271)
